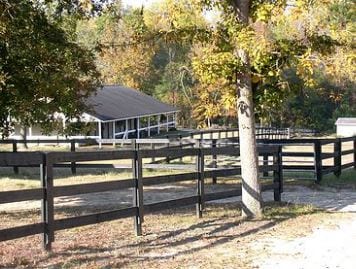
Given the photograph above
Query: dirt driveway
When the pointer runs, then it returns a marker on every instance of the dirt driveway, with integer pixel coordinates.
(307, 242)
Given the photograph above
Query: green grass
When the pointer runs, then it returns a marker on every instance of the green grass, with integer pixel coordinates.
(347, 179)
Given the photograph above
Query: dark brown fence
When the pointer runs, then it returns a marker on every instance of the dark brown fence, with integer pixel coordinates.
(48, 192)
(326, 155)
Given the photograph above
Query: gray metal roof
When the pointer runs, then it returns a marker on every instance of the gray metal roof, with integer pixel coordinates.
(118, 102)
(346, 121)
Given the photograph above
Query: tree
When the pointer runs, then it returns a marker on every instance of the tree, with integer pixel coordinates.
(251, 190)
(41, 71)
(260, 53)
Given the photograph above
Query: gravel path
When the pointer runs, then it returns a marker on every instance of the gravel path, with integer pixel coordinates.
(330, 199)
(323, 249)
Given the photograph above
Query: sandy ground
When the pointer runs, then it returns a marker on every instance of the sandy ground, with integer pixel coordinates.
(325, 247)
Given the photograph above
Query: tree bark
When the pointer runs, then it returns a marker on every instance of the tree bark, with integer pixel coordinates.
(251, 190)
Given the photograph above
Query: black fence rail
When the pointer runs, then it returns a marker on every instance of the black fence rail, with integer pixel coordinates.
(320, 156)
(261, 133)
(323, 157)
(47, 161)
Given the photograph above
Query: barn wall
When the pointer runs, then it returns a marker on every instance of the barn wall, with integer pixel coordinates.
(345, 131)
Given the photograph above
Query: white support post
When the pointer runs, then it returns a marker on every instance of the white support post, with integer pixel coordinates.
(158, 124)
(126, 135)
(149, 126)
(138, 127)
(99, 131)
(113, 132)
(167, 122)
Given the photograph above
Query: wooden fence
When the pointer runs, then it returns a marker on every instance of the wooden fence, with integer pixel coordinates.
(261, 133)
(327, 155)
(48, 191)
(317, 159)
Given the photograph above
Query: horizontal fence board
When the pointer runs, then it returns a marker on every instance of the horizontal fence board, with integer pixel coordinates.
(347, 152)
(62, 224)
(327, 141)
(271, 186)
(21, 231)
(347, 165)
(267, 168)
(167, 152)
(84, 165)
(299, 167)
(20, 158)
(297, 154)
(170, 203)
(21, 195)
(222, 195)
(56, 157)
(287, 141)
(149, 181)
(348, 139)
(329, 155)
(226, 150)
(329, 169)
(222, 172)
(92, 187)
(268, 149)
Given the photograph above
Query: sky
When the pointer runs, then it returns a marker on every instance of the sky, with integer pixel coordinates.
(137, 3)
(210, 15)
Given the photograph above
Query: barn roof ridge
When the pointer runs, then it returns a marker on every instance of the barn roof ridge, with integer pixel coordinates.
(346, 121)
(116, 102)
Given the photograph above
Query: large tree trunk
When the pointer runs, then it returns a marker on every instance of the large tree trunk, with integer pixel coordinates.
(251, 190)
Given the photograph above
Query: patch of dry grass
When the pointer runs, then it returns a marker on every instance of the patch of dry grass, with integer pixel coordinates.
(172, 239)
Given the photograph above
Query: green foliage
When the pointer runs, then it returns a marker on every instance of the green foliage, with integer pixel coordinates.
(41, 71)
(170, 51)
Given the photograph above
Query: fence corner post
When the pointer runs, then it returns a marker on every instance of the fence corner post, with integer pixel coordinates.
(200, 183)
(278, 174)
(73, 165)
(318, 165)
(168, 145)
(337, 157)
(265, 163)
(47, 207)
(215, 161)
(138, 189)
(354, 152)
(14, 149)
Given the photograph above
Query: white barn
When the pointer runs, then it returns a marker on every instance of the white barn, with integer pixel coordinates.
(346, 127)
(118, 112)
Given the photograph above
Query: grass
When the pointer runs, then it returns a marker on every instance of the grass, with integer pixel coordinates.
(30, 177)
(347, 179)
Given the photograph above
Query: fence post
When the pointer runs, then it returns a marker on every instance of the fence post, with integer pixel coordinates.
(153, 146)
(354, 152)
(318, 165)
(14, 149)
(278, 174)
(337, 157)
(73, 165)
(138, 189)
(167, 157)
(200, 183)
(180, 146)
(265, 163)
(47, 208)
(215, 159)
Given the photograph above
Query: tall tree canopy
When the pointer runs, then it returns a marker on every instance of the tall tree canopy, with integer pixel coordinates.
(41, 70)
